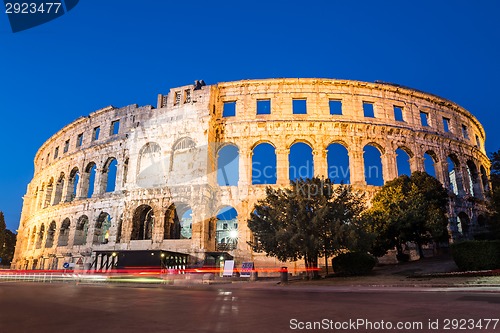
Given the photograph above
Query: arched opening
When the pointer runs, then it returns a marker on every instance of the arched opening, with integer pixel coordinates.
(473, 179)
(89, 179)
(484, 179)
(59, 189)
(187, 224)
(226, 233)
(143, 223)
(74, 179)
(263, 164)
(373, 165)
(301, 164)
(40, 237)
(463, 223)
(403, 162)
(338, 164)
(175, 227)
(64, 233)
(453, 174)
(82, 227)
(172, 225)
(101, 230)
(51, 231)
(184, 162)
(109, 175)
(430, 161)
(150, 170)
(228, 166)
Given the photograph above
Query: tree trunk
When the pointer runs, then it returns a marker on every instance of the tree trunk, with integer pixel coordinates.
(420, 250)
(399, 248)
(312, 267)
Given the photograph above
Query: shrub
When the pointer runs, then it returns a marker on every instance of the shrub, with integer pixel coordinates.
(353, 263)
(403, 257)
(476, 255)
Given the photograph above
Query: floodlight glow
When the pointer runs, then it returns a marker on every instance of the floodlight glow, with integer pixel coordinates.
(233, 234)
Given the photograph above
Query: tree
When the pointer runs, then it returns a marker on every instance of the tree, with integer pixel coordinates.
(3, 227)
(408, 209)
(310, 219)
(7, 242)
(494, 195)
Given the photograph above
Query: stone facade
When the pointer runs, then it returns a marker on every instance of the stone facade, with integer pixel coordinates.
(145, 178)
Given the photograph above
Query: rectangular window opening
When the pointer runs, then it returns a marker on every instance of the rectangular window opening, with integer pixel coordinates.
(66, 146)
(56, 152)
(335, 107)
(368, 110)
(446, 124)
(229, 109)
(115, 127)
(299, 106)
(264, 106)
(95, 135)
(478, 142)
(177, 98)
(465, 132)
(79, 140)
(187, 96)
(424, 118)
(398, 113)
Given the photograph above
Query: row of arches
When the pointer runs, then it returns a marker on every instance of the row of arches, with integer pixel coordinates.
(461, 179)
(50, 236)
(178, 224)
(77, 184)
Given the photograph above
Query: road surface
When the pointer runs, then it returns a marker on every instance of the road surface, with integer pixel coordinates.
(228, 308)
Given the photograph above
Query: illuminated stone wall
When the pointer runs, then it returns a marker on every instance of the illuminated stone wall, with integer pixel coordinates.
(166, 161)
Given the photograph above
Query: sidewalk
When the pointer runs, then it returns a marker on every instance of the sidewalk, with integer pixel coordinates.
(436, 272)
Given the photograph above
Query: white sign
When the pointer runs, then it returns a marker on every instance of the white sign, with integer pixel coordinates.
(228, 268)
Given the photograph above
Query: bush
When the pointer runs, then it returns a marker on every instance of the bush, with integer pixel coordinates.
(403, 257)
(353, 263)
(476, 255)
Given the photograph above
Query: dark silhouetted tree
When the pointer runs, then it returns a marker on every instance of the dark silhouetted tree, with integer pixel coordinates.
(408, 209)
(310, 219)
(494, 196)
(7, 242)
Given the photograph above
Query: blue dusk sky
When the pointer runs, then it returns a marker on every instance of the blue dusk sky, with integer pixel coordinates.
(121, 52)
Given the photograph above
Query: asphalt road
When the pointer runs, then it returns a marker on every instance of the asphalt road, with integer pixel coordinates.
(108, 308)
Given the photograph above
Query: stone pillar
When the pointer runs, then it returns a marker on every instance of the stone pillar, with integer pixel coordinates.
(158, 225)
(320, 163)
(99, 182)
(357, 167)
(67, 190)
(282, 167)
(245, 167)
(440, 174)
(417, 163)
(389, 166)
(119, 175)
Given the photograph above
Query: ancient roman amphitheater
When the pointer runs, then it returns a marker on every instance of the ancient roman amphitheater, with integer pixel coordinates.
(174, 185)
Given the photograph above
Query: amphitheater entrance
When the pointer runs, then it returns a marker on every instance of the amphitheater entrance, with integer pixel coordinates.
(142, 223)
